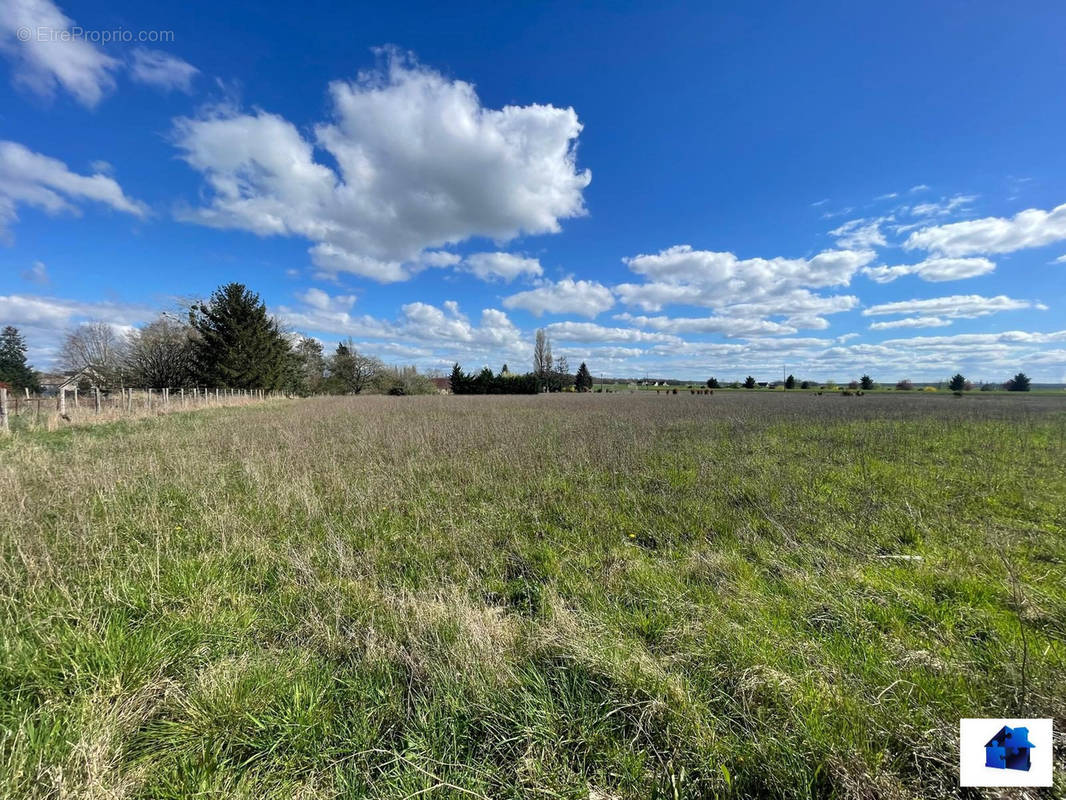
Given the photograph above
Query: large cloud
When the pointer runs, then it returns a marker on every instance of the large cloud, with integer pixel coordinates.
(1030, 228)
(743, 292)
(420, 164)
(682, 275)
(33, 179)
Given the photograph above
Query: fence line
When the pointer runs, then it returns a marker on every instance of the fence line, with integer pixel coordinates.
(70, 406)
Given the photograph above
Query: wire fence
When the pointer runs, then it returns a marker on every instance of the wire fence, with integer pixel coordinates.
(26, 411)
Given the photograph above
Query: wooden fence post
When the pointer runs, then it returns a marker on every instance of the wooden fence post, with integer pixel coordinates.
(96, 398)
(62, 401)
(182, 391)
(148, 399)
(75, 398)
(129, 400)
(3, 411)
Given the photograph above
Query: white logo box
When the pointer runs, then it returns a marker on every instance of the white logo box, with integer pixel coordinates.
(974, 734)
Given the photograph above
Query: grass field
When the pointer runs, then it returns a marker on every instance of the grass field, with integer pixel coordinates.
(583, 596)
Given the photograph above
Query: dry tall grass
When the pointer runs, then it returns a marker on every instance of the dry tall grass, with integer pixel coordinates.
(577, 596)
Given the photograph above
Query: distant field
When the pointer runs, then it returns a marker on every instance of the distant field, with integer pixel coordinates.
(749, 594)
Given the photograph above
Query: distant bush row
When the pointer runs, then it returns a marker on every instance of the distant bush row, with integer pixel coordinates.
(550, 378)
(957, 383)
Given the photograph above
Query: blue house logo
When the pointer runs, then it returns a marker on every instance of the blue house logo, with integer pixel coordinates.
(1009, 749)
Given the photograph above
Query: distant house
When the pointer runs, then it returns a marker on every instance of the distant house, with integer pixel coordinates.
(1009, 749)
(444, 385)
(54, 382)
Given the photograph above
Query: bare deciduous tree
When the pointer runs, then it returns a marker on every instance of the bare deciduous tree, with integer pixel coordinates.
(310, 365)
(98, 348)
(351, 370)
(159, 355)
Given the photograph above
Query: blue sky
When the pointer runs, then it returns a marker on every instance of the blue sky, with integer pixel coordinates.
(670, 189)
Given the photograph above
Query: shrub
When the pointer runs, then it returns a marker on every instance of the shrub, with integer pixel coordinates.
(866, 382)
(1019, 383)
(487, 383)
(749, 382)
(905, 385)
(957, 382)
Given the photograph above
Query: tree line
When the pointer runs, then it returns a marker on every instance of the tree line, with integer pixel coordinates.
(957, 383)
(229, 340)
(548, 375)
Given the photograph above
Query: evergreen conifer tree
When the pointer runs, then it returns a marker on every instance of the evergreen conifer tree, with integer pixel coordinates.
(583, 381)
(13, 366)
(239, 345)
(458, 380)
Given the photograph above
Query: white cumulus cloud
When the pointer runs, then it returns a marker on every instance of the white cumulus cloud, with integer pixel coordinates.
(957, 306)
(744, 292)
(36, 180)
(591, 332)
(1033, 227)
(503, 266)
(727, 326)
(933, 270)
(728, 279)
(567, 296)
(420, 164)
(323, 301)
(31, 36)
